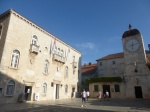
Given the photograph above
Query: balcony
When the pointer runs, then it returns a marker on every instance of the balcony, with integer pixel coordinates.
(34, 48)
(58, 58)
(74, 64)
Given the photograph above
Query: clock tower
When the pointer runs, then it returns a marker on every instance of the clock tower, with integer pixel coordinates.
(135, 70)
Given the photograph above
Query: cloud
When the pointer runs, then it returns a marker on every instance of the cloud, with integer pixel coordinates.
(115, 38)
(87, 45)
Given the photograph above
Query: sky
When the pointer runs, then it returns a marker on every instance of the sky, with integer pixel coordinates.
(93, 27)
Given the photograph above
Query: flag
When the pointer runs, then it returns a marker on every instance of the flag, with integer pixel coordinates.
(130, 27)
(54, 45)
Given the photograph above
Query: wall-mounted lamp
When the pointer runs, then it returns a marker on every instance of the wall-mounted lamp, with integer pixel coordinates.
(135, 64)
(52, 84)
(135, 70)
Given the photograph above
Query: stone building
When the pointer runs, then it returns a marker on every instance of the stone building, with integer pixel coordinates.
(34, 63)
(88, 71)
(132, 65)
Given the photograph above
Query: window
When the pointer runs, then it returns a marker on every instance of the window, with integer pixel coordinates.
(66, 89)
(73, 58)
(0, 31)
(117, 88)
(74, 64)
(66, 71)
(115, 71)
(113, 62)
(96, 88)
(100, 63)
(58, 69)
(44, 88)
(15, 59)
(46, 64)
(0, 90)
(34, 40)
(10, 88)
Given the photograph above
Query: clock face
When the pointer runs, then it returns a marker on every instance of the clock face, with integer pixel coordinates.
(132, 45)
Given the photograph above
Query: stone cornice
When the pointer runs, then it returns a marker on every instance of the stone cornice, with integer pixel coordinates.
(7, 13)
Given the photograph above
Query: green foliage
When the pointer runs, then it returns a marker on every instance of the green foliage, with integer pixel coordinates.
(103, 79)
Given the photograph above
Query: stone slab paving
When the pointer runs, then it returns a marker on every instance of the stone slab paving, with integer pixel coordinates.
(74, 105)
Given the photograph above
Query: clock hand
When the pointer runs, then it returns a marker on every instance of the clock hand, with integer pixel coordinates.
(133, 44)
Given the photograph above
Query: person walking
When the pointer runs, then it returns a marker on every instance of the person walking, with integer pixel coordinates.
(100, 95)
(83, 94)
(107, 95)
(88, 95)
(104, 96)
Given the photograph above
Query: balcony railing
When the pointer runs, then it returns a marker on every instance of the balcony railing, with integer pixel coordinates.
(34, 48)
(59, 58)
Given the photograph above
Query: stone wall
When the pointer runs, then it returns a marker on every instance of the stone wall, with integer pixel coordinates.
(30, 71)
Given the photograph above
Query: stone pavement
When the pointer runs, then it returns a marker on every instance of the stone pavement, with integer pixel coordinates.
(74, 105)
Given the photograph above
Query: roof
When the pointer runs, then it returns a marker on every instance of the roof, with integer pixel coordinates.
(117, 55)
(89, 69)
(112, 56)
(130, 32)
(147, 52)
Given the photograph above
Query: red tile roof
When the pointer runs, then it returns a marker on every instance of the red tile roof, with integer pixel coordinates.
(89, 69)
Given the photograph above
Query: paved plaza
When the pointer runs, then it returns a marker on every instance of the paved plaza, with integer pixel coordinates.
(74, 105)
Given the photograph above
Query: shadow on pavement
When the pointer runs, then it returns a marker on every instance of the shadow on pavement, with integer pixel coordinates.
(54, 108)
(138, 104)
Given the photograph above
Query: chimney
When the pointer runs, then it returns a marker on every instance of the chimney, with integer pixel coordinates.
(90, 63)
(149, 46)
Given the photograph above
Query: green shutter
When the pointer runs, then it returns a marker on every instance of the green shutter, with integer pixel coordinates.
(117, 88)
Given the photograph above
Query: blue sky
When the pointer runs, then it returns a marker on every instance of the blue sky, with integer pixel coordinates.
(93, 27)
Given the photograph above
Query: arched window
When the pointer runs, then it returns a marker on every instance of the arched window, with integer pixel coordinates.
(44, 87)
(66, 71)
(66, 88)
(34, 40)
(0, 31)
(15, 59)
(10, 88)
(46, 64)
(73, 58)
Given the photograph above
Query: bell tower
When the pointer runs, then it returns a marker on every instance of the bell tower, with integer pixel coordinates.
(134, 51)
(135, 68)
